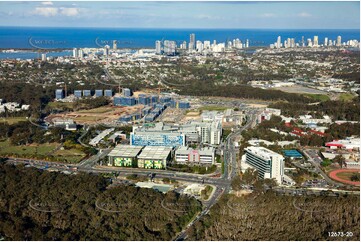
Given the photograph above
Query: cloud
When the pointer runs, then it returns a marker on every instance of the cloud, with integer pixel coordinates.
(69, 11)
(268, 15)
(304, 15)
(47, 12)
(51, 11)
(47, 3)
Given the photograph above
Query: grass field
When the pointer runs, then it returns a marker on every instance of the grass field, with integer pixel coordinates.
(87, 119)
(318, 97)
(60, 105)
(71, 156)
(346, 97)
(345, 175)
(12, 120)
(42, 149)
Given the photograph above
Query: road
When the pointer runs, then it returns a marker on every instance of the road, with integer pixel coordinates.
(313, 158)
(230, 170)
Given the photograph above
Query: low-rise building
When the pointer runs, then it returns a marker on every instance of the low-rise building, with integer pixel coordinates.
(124, 155)
(154, 157)
(186, 155)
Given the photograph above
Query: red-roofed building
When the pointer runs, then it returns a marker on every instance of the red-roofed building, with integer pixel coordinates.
(317, 133)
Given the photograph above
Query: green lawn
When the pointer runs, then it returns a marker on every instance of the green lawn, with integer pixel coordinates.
(41, 149)
(60, 105)
(12, 120)
(346, 96)
(345, 175)
(318, 97)
(71, 156)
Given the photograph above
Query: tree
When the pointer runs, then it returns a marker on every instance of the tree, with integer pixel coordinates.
(236, 183)
(340, 160)
(355, 177)
(249, 176)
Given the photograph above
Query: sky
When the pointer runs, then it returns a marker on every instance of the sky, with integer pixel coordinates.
(151, 14)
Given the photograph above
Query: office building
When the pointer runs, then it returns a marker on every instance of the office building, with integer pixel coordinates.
(325, 42)
(106, 50)
(124, 101)
(108, 93)
(115, 44)
(154, 157)
(86, 93)
(170, 139)
(43, 57)
(268, 164)
(186, 155)
(279, 42)
(80, 54)
(192, 41)
(75, 53)
(78, 93)
(338, 42)
(99, 93)
(59, 94)
(169, 47)
(143, 99)
(127, 92)
(124, 155)
(315, 41)
(158, 47)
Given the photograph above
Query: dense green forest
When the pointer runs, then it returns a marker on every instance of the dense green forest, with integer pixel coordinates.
(38, 205)
(272, 217)
(338, 110)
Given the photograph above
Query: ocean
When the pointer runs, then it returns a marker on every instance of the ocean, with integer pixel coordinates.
(68, 38)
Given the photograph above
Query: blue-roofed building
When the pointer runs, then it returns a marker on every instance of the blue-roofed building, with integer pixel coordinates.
(124, 101)
(127, 92)
(99, 93)
(86, 93)
(146, 110)
(126, 118)
(78, 93)
(59, 94)
(293, 154)
(150, 117)
(154, 99)
(128, 101)
(117, 101)
(108, 93)
(183, 105)
(165, 99)
(143, 99)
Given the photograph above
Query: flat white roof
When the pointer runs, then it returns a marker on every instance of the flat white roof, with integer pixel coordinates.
(125, 151)
(155, 153)
(262, 152)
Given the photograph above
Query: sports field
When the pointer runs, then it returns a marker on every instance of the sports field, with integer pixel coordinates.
(344, 175)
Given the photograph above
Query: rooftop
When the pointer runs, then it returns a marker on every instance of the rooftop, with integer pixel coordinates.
(262, 152)
(155, 152)
(125, 151)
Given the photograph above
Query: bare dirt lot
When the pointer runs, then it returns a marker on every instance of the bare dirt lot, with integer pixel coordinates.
(105, 114)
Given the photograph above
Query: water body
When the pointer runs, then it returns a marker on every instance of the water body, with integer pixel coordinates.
(67, 38)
